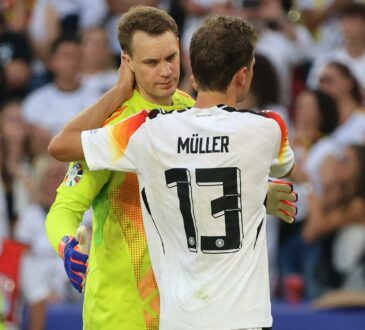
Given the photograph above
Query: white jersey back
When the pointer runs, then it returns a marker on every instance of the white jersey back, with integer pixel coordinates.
(203, 176)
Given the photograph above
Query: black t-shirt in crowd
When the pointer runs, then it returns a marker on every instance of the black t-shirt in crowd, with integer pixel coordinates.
(14, 45)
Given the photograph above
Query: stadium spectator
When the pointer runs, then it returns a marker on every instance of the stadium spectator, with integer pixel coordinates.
(344, 206)
(42, 276)
(15, 59)
(292, 43)
(337, 219)
(339, 82)
(97, 65)
(315, 118)
(52, 18)
(15, 159)
(17, 14)
(351, 52)
(48, 108)
(321, 19)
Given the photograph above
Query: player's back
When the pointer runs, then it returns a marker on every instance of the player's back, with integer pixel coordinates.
(203, 179)
(203, 190)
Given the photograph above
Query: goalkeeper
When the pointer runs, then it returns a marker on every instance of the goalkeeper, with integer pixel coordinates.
(120, 290)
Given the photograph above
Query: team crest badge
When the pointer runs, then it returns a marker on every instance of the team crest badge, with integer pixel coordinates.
(74, 175)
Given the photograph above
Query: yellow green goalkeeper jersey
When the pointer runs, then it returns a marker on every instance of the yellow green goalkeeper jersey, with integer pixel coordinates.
(121, 292)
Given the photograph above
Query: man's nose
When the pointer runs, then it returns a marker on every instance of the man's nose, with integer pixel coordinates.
(166, 69)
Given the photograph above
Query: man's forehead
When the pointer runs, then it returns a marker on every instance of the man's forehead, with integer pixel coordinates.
(147, 45)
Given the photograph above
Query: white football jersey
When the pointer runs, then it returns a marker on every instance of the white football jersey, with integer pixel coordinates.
(203, 176)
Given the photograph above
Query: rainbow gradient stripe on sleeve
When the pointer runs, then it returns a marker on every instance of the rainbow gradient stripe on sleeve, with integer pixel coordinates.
(284, 143)
(122, 132)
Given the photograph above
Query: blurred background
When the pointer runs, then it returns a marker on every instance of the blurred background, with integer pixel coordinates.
(59, 56)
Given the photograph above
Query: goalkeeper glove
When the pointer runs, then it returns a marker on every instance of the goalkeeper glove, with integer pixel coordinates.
(281, 200)
(73, 252)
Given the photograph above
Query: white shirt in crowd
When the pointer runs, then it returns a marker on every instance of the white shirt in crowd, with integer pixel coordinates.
(328, 35)
(91, 13)
(101, 82)
(352, 131)
(42, 271)
(51, 108)
(356, 65)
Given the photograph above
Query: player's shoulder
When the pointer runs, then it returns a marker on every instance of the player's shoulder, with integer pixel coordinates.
(182, 99)
(257, 114)
(270, 115)
(182, 94)
(275, 117)
(161, 114)
(118, 115)
(260, 117)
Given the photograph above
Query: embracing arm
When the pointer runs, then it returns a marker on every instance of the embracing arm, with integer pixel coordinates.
(66, 145)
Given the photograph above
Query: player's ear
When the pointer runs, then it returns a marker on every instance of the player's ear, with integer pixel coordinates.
(240, 76)
(194, 84)
(125, 57)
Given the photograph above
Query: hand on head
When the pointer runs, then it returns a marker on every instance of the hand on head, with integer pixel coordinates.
(126, 76)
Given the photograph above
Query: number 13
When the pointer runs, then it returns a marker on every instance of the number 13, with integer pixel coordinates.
(228, 206)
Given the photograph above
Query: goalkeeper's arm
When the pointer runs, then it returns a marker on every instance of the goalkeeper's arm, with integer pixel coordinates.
(62, 222)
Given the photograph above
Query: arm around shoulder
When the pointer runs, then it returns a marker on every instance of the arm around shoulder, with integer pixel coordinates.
(66, 146)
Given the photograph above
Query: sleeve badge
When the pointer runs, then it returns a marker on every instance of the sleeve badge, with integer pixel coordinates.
(74, 175)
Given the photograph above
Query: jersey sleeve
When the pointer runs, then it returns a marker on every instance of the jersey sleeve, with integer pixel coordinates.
(283, 158)
(74, 196)
(112, 147)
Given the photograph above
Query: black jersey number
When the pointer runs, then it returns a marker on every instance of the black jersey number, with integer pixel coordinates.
(227, 206)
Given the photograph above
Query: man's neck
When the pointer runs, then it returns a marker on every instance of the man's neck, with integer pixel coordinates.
(346, 107)
(67, 85)
(208, 99)
(355, 48)
(155, 100)
(91, 68)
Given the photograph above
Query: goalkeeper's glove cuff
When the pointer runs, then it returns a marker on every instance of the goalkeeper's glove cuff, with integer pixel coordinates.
(75, 262)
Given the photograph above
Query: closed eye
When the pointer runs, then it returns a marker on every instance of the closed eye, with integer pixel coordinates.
(150, 62)
(171, 57)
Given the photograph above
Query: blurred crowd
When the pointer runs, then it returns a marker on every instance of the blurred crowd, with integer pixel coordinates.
(58, 56)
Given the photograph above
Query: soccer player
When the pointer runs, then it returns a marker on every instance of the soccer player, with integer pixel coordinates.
(120, 291)
(203, 189)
